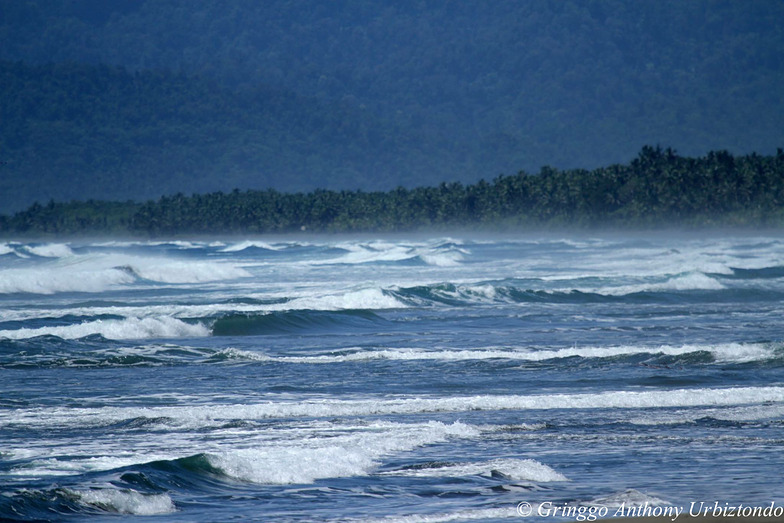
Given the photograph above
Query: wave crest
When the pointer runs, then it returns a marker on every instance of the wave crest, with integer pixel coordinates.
(125, 329)
(127, 501)
(507, 468)
(339, 456)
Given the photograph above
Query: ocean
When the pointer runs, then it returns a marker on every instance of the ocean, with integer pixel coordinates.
(396, 379)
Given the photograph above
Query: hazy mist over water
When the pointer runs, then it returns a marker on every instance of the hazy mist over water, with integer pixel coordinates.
(390, 379)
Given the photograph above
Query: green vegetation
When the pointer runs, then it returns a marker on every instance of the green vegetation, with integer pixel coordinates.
(658, 188)
(134, 99)
(75, 131)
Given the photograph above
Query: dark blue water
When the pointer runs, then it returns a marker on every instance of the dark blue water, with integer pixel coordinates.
(412, 380)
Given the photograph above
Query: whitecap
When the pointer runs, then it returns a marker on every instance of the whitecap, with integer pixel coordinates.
(126, 329)
(387, 252)
(629, 498)
(726, 352)
(98, 273)
(344, 455)
(371, 298)
(332, 406)
(238, 247)
(511, 468)
(442, 259)
(743, 413)
(692, 281)
(50, 250)
(61, 279)
(173, 271)
(369, 253)
(127, 501)
(730, 352)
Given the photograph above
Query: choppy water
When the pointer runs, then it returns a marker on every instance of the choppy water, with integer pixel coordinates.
(396, 380)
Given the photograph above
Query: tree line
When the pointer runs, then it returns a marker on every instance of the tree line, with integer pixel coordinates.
(301, 94)
(95, 131)
(658, 188)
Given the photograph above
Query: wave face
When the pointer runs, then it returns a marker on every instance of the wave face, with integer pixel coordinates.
(367, 379)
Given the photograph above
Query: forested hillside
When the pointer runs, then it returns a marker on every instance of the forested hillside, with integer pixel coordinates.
(659, 188)
(75, 131)
(167, 96)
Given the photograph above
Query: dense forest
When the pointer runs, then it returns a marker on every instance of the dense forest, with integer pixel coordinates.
(659, 188)
(95, 131)
(135, 99)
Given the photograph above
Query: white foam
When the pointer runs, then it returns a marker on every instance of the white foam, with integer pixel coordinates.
(690, 281)
(442, 259)
(367, 253)
(744, 413)
(372, 298)
(730, 352)
(515, 469)
(727, 352)
(334, 407)
(613, 399)
(380, 251)
(487, 514)
(98, 273)
(80, 460)
(6, 248)
(182, 244)
(59, 279)
(467, 292)
(486, 291)
(174, 271)
(126, 329)
(630, 498)
(300, 452)
(127, 501)
(339, 456)
(237, 247)
(693, 281)
(50, 250)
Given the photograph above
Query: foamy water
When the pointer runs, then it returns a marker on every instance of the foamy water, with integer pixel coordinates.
(367, 379)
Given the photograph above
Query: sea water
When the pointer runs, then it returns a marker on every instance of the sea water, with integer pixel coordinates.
(397, 379)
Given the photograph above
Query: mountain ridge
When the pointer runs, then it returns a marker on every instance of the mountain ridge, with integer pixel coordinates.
(434, 91)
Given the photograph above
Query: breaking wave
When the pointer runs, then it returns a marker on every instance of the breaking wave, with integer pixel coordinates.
(126, 501)
(171, 271)
(694, 281)
(352, 454)
(245, 245)
(372, 298)
(503, 468)
(440, 254)
(55, 280)
(722, 353)
(125, 329)
(37, 505)
(628, 498)
(98, 273)
(331, 407)
(48, 351)
(50, 250)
